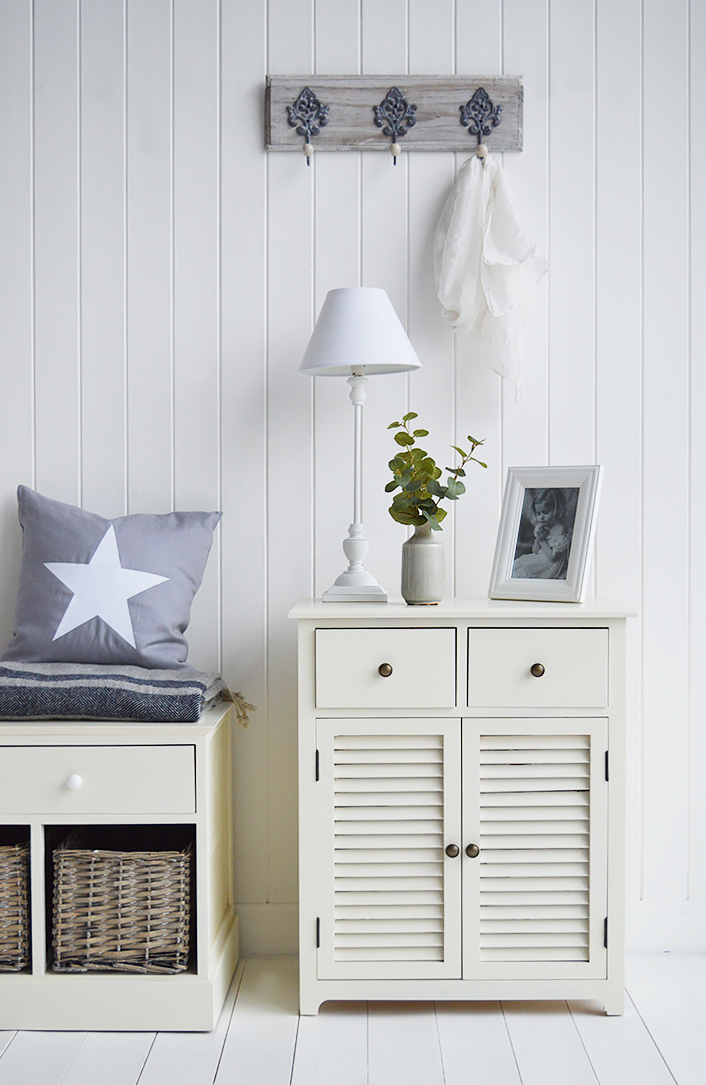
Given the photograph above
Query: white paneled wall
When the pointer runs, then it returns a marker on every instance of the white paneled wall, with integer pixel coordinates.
(159, 279)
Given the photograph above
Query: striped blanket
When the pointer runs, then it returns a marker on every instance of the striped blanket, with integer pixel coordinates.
(86, 691)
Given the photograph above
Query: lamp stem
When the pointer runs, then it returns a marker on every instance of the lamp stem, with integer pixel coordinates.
(356, 584)
(358, 397)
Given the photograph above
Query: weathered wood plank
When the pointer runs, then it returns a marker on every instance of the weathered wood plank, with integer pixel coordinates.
(350, 124)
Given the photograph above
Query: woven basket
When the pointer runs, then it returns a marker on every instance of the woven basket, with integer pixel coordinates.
(124, 911)
(14, 907)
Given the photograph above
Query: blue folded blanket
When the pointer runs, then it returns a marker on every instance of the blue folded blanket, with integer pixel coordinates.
(86, 691)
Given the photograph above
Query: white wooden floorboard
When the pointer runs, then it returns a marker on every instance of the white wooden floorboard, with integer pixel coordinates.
(191, 1058)
(691, 967)
(546, 1044)
(333, 1046)
(39, 1058)
(259, 1049)
(620, 1049)
(474, 1040)
(109, 1058)
(675, 1019)
(403, 1044)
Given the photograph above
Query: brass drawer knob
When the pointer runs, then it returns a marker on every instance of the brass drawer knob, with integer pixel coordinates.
(385, 670)
(537, 669)
(453, 850)
(472, 851)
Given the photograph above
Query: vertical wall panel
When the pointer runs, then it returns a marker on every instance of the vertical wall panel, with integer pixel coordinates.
(103, 384)
(619, 341)
(289, 479)
(384, 256)
(431, 49)
(196, 284)
(243, 429)
(697, 396)
(149, 257)
(336, 187)
(525, 50)
(572, 214)
(56, 245)
(16, 331)
(478, 387)
(665, 454)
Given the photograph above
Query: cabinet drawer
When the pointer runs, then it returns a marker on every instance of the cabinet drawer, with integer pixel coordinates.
(575, 663)
(113, 780)
(348, 663)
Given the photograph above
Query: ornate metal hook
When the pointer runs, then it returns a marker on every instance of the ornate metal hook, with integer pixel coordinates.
(480, 115)
(308, 116)
(395, 115)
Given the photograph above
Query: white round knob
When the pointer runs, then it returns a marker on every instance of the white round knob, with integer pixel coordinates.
(74, 782)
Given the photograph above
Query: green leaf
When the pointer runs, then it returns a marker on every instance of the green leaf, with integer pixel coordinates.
(474, 442)
(434, 488)
(394, 425)
(420, 433)
(407, 417)
(391, 486)
(402, 517)
(460, 451)
(404, 438)
(479, 461)
(441, 514)
(431, 520)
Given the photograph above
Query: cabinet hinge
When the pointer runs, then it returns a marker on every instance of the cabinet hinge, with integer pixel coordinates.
(317, 766)
(318, 933)
(605, 933)
(607, 774)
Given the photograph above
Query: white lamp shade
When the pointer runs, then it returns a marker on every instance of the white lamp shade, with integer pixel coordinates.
(358, 331)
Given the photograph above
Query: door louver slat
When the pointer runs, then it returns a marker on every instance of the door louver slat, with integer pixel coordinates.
(388, 845)
(534, 875)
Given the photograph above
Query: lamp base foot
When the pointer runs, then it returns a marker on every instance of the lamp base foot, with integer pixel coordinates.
(355, 593)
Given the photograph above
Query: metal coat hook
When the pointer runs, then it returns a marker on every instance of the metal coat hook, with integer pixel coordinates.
(395, 115)
(308, 116)
(480, 116)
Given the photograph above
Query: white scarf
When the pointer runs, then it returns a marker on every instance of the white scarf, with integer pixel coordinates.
(485, 262)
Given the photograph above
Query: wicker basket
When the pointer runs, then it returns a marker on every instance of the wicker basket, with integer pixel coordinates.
(14, 907)
(124, 911)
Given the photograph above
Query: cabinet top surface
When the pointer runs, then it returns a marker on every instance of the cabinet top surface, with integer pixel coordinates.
(459, 609)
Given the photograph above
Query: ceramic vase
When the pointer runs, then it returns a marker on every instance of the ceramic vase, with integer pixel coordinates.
(423, 567)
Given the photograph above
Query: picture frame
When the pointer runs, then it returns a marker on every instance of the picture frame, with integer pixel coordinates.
(546, 532)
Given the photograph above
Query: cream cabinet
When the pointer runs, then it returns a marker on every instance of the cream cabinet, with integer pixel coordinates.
(461, 801)
(158, 786)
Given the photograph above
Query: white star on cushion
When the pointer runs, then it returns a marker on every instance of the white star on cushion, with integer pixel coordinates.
(101, 589)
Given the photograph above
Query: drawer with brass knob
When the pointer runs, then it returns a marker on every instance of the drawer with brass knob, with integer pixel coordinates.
(537, 668)
(385, 668)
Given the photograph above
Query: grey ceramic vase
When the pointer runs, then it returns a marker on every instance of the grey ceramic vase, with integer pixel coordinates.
(423, 567)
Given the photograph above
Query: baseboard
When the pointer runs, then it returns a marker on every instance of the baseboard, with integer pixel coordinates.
(268, 929)
(654, 928)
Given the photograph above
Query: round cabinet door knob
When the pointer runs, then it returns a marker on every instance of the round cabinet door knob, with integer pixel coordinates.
(385, 670)
(537, 669)
(453, 850)
(472, 851)
(74, 782)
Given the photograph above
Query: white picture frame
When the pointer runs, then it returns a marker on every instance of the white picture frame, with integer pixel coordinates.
(546, 532)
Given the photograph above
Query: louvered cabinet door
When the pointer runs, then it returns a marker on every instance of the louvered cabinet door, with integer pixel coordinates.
(388, 806)
(535, 804)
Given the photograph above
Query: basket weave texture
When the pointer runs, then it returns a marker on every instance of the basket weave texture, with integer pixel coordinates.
(14, 907)
(124, 911)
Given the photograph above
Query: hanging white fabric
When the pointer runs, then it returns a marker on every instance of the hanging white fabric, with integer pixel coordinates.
(485, 262)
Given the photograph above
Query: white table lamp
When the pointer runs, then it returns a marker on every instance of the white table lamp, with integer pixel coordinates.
(358, 333)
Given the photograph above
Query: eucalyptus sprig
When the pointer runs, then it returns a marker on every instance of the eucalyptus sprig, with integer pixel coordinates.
(416, 476)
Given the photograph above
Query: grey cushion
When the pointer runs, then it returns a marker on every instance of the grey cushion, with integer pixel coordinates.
(93, 590)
